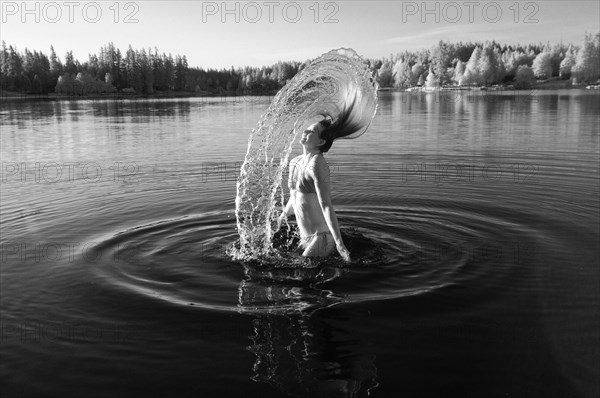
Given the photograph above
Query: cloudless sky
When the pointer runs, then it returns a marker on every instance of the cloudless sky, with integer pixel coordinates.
(269, 31)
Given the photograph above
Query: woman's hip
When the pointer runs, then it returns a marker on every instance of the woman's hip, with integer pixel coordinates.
(318, 244)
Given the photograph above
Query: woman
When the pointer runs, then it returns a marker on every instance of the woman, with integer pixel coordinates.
(310, 198)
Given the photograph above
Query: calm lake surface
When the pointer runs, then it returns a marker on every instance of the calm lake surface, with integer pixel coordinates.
(114, 279)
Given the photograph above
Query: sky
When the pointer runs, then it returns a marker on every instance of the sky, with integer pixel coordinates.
(216, 34)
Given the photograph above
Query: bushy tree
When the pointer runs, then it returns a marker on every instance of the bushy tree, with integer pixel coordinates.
(513, 58)
(432, 80)
(587, 66)
(567, 64)
(384, 75)
(525, 78)
(417, 71)
(440, 61)
(459, 71)
(403, 76)
(471, 75)
(542, 65)
(557, 53)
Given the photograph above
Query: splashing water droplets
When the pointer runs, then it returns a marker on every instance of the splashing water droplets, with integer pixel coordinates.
(331, 83)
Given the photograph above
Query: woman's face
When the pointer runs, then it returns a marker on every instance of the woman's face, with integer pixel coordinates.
(311, 136)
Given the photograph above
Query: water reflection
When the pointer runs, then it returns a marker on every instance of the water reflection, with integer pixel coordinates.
(449, 121)
(303, 345)
(489, 120)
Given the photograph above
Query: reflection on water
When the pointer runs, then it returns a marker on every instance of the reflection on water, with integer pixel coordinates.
(312, 354)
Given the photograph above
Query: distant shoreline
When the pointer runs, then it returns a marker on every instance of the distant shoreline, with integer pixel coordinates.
(547, 85)
(552, 84)
(8, 95)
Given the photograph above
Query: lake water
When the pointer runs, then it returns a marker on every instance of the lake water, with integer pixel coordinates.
(116, 215)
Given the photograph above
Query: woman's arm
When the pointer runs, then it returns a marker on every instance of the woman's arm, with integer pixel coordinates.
(288, 209)
(323, 188)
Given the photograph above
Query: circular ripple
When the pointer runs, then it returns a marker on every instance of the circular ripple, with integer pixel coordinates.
(420, 250)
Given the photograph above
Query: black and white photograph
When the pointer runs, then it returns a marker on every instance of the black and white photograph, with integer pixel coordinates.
(301, 198)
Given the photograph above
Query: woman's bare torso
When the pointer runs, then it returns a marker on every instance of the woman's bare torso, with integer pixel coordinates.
(309, 215)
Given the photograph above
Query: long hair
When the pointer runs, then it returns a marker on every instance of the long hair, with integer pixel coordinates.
(351, 121)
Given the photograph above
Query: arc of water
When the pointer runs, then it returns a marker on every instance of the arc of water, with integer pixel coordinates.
(323, 87)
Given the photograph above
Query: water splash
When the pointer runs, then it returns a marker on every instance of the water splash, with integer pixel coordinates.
(328, 85)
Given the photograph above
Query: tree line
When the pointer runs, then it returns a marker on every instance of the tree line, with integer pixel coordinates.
(147, 71)
(490, 63)
(144, 71)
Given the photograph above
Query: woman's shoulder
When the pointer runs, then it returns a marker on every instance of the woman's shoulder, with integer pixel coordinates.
(320, 157)
(294, 162)
(319, 160)
(318, 165)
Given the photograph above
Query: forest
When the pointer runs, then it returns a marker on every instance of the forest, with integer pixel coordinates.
(149, 71)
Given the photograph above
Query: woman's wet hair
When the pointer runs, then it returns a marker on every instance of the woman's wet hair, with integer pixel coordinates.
(325, 134)
(349, 121)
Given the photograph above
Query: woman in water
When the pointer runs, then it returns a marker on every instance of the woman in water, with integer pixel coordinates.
(310, 196)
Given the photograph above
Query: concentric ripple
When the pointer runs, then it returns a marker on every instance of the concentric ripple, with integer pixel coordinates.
(417, 251)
